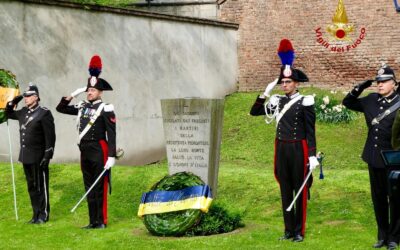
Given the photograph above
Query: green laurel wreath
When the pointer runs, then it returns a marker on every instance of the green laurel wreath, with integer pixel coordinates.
(174, 223)
(7, 80)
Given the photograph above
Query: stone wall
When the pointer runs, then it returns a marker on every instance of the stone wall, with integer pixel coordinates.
(263, 23)
(200, 8)
(146, 57)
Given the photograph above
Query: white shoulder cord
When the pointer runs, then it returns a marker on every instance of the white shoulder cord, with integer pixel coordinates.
(273, 108)
(79, 105)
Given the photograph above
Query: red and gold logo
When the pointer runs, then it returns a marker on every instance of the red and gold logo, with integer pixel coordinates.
(340, 32)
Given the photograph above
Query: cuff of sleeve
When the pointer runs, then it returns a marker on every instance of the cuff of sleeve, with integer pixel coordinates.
(312, 152)
(48, 154)
(260, 100)
(64, 100)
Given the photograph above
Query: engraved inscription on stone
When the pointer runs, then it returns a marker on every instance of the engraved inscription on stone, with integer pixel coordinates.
(192, 130)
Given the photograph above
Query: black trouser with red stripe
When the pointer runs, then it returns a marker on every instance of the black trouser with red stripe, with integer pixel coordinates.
(386, 207)
(37, 179)
(290, 170)
(93, 159)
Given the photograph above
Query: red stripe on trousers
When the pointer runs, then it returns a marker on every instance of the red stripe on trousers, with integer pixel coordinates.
(104, 147)
(276, 145)
(305, 190)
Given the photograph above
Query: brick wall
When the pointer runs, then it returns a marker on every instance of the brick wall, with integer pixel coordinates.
(263, 23)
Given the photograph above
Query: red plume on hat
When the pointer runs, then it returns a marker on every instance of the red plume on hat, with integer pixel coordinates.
(286, 54)
(95, 66)
(95, 69)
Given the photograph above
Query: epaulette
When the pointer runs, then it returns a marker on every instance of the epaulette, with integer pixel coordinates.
(308, 100)
(108, 108)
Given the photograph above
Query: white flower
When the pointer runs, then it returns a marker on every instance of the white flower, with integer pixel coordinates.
(337, 108)
(323, 106)
(314, 95)
(333, 91)
(326, 100)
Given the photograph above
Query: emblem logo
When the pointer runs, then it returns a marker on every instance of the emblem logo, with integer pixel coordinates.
(340, 31)
(287, 72)
(93, 81)
(381, 71)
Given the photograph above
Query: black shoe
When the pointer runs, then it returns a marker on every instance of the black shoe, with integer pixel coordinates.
(379, 244)
(392, 246)
(39, 221)
(101, 226)
(286, 236)
(298, 238)
(90, 226)
(32, 221)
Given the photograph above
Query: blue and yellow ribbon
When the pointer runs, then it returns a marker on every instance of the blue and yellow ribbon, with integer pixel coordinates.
(195, 197)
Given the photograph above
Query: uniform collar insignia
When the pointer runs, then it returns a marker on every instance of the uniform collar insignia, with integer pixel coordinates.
(34, 108)
(97, 101)
(294, 95)
(390, 98)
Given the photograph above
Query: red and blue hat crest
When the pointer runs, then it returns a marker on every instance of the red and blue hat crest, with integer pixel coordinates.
(287, 56)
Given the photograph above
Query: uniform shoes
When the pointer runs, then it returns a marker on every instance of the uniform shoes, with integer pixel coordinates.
(32, 221)
(90, 226)
(101, 226)
(39, 221)
(298, 238)
(379, 244)
(286, 236)
(392, 246)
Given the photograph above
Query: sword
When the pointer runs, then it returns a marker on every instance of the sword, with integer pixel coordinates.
(119, 155)
(87, 192)
(299, 192)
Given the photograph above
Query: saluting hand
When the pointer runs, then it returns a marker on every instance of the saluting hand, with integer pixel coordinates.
(78, 92)
(365, 84)
(269, 88)
(16, 100)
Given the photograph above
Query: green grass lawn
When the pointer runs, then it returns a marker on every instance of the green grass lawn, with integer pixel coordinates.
(340, 214)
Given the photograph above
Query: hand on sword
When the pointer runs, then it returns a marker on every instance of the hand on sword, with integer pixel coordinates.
(109, 164)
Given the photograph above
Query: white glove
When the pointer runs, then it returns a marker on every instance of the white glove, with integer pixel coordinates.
(110, 163)
(269, 88)
(274, 100)
(313, 162)
(78, 92)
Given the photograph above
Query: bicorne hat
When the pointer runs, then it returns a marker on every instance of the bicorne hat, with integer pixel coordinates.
(94, 80)
(286, 54)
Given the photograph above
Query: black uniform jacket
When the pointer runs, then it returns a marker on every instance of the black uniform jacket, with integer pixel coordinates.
(298, 123)
(37, 133)
(102, 129)
(380, 135)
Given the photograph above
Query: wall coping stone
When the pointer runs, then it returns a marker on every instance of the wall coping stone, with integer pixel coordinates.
(131, 12)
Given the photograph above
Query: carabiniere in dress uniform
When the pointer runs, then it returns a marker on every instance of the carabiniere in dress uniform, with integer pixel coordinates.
(295, 143)
(97, 140)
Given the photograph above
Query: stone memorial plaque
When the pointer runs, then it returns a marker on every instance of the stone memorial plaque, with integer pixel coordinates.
(193, 129)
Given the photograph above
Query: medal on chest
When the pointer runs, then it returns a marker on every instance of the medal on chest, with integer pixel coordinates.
(88, 113)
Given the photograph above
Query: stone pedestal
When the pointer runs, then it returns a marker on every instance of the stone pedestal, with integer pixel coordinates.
(193, 129)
